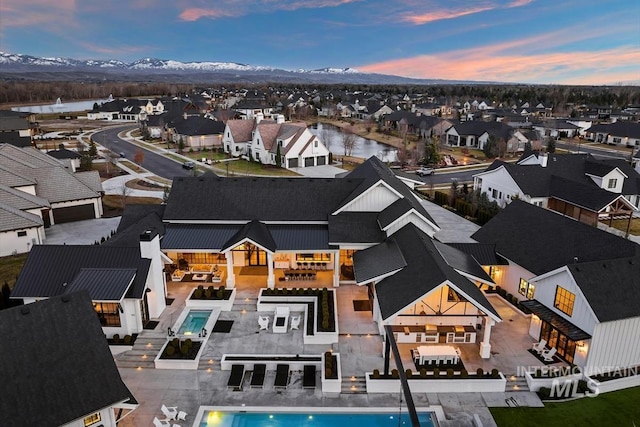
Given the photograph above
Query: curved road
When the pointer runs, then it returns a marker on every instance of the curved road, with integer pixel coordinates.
(155, 163)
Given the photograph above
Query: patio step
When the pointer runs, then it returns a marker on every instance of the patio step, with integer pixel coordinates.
(516, 384)
(142, 354)
(354, 385)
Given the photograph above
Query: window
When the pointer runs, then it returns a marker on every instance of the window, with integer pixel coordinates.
(494, 193)
(612, 183)
(22, 233)
(315, 144)
(107, 313)
(92, 419)
(526, 289)
(564, 300)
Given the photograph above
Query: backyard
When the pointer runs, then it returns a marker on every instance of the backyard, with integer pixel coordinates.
(618, 408)
(621, 224)
(10, 267)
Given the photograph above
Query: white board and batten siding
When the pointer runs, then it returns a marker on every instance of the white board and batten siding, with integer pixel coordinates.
(376, 199)
(413, 219)
(614, 345)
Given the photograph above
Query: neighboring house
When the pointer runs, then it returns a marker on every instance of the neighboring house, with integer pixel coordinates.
(475, 133)
(197, 132)
(40, 185)
(557, 128)
(125, 283)
(120, 109)
(16, 128)
(618, 133)
(64, 155)
(293, 142)
(21, 223)
(577, 185)
(635, 161)
(580, 283)
(56, 367)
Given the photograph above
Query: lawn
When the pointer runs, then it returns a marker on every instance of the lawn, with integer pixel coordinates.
(621, 224)
(10, 266)
(112, 203)
(618, 408)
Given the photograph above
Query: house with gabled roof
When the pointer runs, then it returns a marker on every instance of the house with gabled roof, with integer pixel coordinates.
(21, 223)
(197, 132)
(16, 128)
(56, 367)
(617, 133)
(125, 283)
(577, 185)
(476, 133)
(580, 283)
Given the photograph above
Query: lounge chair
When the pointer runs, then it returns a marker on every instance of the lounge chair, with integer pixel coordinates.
(282, 377)
(540, 346)
(281, 320)
(257, 377)
(263, 321)
(548, 354)
(182, 416)
(170, 412)
(236, 377)
(295, 322)
(162, 423)
(309, 376)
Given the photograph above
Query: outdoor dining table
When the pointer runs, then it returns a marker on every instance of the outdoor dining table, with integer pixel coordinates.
(437, 354)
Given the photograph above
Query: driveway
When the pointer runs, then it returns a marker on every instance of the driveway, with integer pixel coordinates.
(325, 171)
(81, 232)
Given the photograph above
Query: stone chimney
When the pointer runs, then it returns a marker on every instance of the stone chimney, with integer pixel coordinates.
(156, 285)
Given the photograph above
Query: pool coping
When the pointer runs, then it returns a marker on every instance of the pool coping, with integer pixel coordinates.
(434, 409)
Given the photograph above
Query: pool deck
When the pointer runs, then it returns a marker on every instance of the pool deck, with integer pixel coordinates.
(359, 345)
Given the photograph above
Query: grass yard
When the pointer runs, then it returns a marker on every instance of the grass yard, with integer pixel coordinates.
(618, 408)
(10, 267)
(112, 203)
(621, 224)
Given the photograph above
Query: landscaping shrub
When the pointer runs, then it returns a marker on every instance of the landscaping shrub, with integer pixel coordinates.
(394, 373)
(207, 294)
(544, 393)
(220, 292)
(408, 373)
(200, 288)
(436, 372)
(423, 373)
(480, 372)
(464, 373)
(449, 372)
(197, 294)
(169, 350)
(127, 339)
(116, 338)
(376, 373)
(495, 373)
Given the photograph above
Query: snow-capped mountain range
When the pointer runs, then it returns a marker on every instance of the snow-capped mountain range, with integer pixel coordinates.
(8, 59)
(27, 67)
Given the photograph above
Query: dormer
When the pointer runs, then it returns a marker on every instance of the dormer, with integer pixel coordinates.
(607, 177)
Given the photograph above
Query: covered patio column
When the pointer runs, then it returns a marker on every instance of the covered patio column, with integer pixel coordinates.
(485, 346)
(231, 277)
(336, 269)
(271, 278)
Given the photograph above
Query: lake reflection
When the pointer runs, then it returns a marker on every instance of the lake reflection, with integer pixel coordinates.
(364, 148)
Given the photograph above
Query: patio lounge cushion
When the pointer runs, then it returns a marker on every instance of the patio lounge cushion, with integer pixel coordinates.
(235, 379)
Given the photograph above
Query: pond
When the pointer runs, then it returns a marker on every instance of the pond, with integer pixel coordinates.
(331, 136)
(61, 107)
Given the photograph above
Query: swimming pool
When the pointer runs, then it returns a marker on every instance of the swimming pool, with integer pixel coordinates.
(213, 418)
(194, 322)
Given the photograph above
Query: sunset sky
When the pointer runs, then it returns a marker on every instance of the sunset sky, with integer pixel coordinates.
(525, 41)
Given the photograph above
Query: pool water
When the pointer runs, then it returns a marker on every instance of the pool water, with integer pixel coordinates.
(274, 419)
(194, 322)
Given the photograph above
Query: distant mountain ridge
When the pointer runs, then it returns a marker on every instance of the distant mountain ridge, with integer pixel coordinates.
(18, 66)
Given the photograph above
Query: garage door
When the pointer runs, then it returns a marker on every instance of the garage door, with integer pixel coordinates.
(309, 161)
(73, 213)
(321, 160)
(293, 163)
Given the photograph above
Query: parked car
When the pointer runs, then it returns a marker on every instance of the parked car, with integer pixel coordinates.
(122, 155)
(189, 165)
(423, 171)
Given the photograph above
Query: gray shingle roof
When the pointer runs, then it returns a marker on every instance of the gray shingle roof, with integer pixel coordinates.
(586, 196)
(15, 219)
(21, 199)
(611, 287)
(55, 364)
(462, 262)
(355, 227)
(49, 267)
(378, 260)
(483, 254)
(541, 240)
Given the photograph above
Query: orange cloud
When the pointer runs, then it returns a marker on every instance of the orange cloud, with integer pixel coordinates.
(439, 15)
(114, 50)
(600, 67)
(195, 13)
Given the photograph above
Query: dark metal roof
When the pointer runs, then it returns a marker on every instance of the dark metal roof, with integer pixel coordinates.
(355, 227)
(556, 320)
(261, 198)
(103, 284)
(197, 236)
(300, 237)
(255, 231)
(55, 364)
(49, 267)
(612, 288)
(135, 220)
(426, 270)
(462, 262)
(541, 240)
(483, 254)
(377, 261)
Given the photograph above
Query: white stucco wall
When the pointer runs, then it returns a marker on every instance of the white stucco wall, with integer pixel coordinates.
(11, 243)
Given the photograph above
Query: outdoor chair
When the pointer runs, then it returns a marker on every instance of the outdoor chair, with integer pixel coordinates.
(170, 412)
(309, 376)
(236, 377)
(257, 377)
(295, 322)
(263, 321)
(162, 423)
(539, 347)
(282, 377)
(548, 354)
(182, 416)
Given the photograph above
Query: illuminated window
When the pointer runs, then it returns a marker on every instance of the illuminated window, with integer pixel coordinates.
(92, 419)
(526, 289)
(107, 313)
(564, 300)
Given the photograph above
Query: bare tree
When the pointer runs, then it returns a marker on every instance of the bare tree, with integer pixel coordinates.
(124, 193)
(348, 140)
(325, 136)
